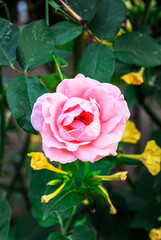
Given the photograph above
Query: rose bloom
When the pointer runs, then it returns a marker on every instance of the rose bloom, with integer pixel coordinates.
(84, 119)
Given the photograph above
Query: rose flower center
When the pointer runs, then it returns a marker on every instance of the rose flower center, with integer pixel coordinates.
(85, 117)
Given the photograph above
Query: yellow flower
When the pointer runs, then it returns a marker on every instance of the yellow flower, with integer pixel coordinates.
(151, 157)
(39, 161)
(134, 78)
(112, 208)
(117, 176)
(155, 234)
(85, 202)
(128, 26)
(47, 198)
(131, 134)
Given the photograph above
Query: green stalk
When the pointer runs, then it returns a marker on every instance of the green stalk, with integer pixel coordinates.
(47, 12)
(146, 12)
(6, 9)
(69, 221)
(60, 222)
(2, 123)
(58, 68)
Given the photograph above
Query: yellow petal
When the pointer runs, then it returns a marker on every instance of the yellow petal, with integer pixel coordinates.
(133, 78)
(151, 157)
(128, 25)
(131, 134)
(155, 234)
(39, 161)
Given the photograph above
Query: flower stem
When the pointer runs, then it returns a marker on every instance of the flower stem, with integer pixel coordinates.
(58, 68)
(6, 9)
(2, 123)
(146, 12)
(129, 156)
(47, 12)
(69, 221)
(60, 222)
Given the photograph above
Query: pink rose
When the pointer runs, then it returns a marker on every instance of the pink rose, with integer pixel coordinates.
(84, 119)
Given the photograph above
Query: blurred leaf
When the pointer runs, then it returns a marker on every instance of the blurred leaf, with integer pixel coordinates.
(35, 45)
(108, 18)
(65, 32)
(156, 135)
(85, 9)
(61, 61)
(26, 228)
(130, 96)
(153, 87)
(9, 35)
(82, 232)
(5, 215)
(137, 48)
(122, 68)
(22, 93)
(57, 236)
(50, 81)
(54, 5)
(103, 165)
(147, 217)
(97, 62)
(63, 202)
(71, 167)
(79, 233)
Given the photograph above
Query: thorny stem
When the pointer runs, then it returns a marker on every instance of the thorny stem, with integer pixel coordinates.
(6, 9)
(69, 221)
(2, 122)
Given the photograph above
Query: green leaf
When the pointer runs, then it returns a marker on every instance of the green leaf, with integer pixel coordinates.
(79, 233)
(38, 185)
(35, 45)
(22, 93)
(54, 5)
(130, 96)
(5, 215)
(97, 62)
(137, 48)
(156, 135)
(85, 9)
(50, 81)
(82, 232)
(108, 19)
(65, 32)
(61, 61)
(63, 202)
(56, 236)
(9, 35)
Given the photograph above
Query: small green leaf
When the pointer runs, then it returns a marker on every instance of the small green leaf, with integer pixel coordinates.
(137, 48)
(5, 215)
(65, 32)
(55, 5)
(35, 45)
(85, 9)
(82, 232)
(108, 19)
(61, 61)
(97, 62)
(22, 93)
(56, 236)
(50, 81)
(63, 202)
(9, 35)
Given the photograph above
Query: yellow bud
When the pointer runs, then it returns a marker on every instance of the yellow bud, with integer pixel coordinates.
(47, 198)
(54, 182)
(39, 161)
(114, 177)
(133, 78)
(131, 134)
(155, 234)
(112, 208)
(128, 26)
(85, 202)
